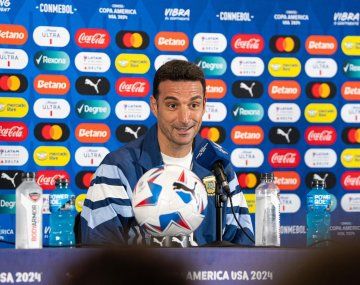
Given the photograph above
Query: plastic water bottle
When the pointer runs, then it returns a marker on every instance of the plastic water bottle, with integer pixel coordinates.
(318, 202)
(267, 215)
(62, 217)
(29, 204)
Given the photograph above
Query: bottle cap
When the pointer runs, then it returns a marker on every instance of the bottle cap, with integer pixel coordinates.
(27, 175)
(269, 176)
(317, 183)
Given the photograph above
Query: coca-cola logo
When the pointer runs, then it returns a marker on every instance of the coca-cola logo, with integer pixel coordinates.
(13, 131)
(284, 158)
(46, 178)
(132, 87)
(317, 135)
(350, 180)
(247, 43)
(92, 38)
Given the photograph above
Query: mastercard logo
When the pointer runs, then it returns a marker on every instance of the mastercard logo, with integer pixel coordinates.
(83, 179)
(51, 132)
(215, 88)
(13, 83)
(351, 135)
(132, 40)
(248, 180)
(320, 90)
(213, 133)
(284, 44)
(350, 90)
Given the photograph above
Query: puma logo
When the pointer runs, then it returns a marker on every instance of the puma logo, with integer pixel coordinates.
(247, 88)
(92, 84)
(284, 134)
(7, 177)
(132, 132)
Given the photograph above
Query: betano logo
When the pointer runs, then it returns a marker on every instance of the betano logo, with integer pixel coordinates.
(247, 43)
(350, 90)
(51, 156)
(92, 38)
(320, 90)
(350, 45)
(248, 112)
(52, 60)
(321, 45)
(47, 108)
(213, 133)
(132, 39)
(351, 135)
(13, 58)
(350, 158)
(247, 135)
(215, 88)
(351, 68)
(320, 113)
(287, 180)
(284, 44)
(92, 133)
(248, 180)
(51, 132)
(132, 63)
(209, 42)
(284, 67)
(13, 34)
(284, 90)
(51, 84)
(171, 41)
(321, 67)
(48, 36)
(350, 180)
(13, 107)
(13, 131)
(212, 65)
(13, 83)
(93, 109)
(350, 113)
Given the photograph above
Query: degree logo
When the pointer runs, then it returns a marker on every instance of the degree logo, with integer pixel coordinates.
(350, 158)
(13, 131)
(248, 180)
(92, 38)
(13, 83)
(351, 135)
(350, 180)
(247, 43)
(284, 135)
(13, 107)
(171, 41)
(284, 44)
(51, 132)
(92, 85)
(215, 88)
(247, 89)
(350, 45)
(350, 90)
(287, 180)
(284, 90)
(210, 42)
(329, 179)
(129, 132)
(350, 113)
(284, 158)
(13, 58)
(92, 133)
(51, 156)
(212, 65)
(48, 36)
(52, 60)
(13, 34)
(83, 179)
(320, 90)
(132, 63)
(321, 45)
(132, 39)
(351, 68)
(247, 135)
(51, 84)
(320, 113)
(284, 67)
(248, 112)
(93, 109)
(213, 133)
(321, 67)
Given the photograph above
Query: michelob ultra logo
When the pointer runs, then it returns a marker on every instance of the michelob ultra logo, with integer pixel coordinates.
(209, 42)
(321, 45)
(350, 113)
(247, 157)
(320, 67)
(48, 108)
(320, 113)
(13, 34)
(289, 203)
(350, 158)
(214, 112)
(248, 112)
(171, 41)
(287, 180)
(350, 45)
(48, 36)
(350, 90)
(13, 58)
(284, 90)
(132, 39)
(284, 67)
(51, 156)
(215, 88)
(13, 83)
(212, 65)
(13, 107)
(164, 58)
(320, 90)
(351, 68)
(51, 84)
(93, 109)
(90, 156)
(248, 135)
(132, 63)
(52, 60)
(213, 133)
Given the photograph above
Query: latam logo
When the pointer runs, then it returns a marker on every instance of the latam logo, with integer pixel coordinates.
(92, 85)
(92, 62)
(47, 178)
(13, 34)
(13, 155)
(132, 63)
(320, 90)
(215, 88)
(320, 158)
(248, 180)
(52, 60)
(248, 112)
(350, 158)
(247, 66)
(83, 179)
(13, 58)
(13, 83)
(284, 90)
(49, 132)
(284, 44)
(214, 112)
(247, 43)
(328, 178)
(212, 65)
(321, 45)
(129, 132)
(132, 110)
(321, 67)
(51, 108)
(164, 58)
(289, 203)
(132, 39)
(350, 180)
(324, 135)
(90, 156)
(350, 113)
(351, 135)
(48, 36)
(247, 135)
(93, 109)
(284, 135)
(284, 158)
(209, 42)
(350, 45)
(92, 38)
(51, 156)
(287, 180)
(320, 113)
(351, 68)
(214, 133)
(132, 87)
(247, 89)
(92, 133)
(284, 67)
(351, 202)
(247, 157)
(51, 84)
(171, 41)
(284, 112)
(13, 107)
(13, 131)
(10, 179)
(350, 90)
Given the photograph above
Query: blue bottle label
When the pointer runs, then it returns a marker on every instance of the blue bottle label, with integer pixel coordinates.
(62, 202)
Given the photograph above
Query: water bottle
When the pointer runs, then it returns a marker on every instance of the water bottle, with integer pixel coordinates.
(29, 202)
(62, 217)
(318, 202)
(267, 215)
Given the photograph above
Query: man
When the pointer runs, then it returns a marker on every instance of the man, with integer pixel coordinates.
(178, 103)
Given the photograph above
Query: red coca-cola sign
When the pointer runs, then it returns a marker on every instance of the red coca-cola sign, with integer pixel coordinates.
(132, 87)
(92, 38)
(284, 158)
(316, 135)
(46, 178)
(247, 43)
(13, 131)
(350, 180)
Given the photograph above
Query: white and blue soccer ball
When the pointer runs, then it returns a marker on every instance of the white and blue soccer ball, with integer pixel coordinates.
(169, 201)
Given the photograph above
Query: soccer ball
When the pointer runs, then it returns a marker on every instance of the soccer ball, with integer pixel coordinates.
(169, 201)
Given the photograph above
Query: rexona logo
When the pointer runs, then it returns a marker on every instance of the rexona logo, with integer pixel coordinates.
(13, 34)
(46, 178)
(320, 158)
(48, 132)
(92, 85)
(321, 67)
(284, 112)
(215, 88)
(351, 202)
(83, 179)
(209, 42)
(289, 203)
(51, 108)
(324, 135)
(132, 86)
(284, 158)
(13, 155)
(13, 58)
(132, 39)
(51, 84)
(320, 90)
(247, 43)
(351, 68)
(350, 90)
(351, 135)
(350, 113)
(321, 45)
(132, 63)
(247, 135)
(247, 157)
(214, 112)
(90, 156)
(248, 180)
(284, 44)
(284, 67)
(284, 90)
(162, 59)
(171, 41)
(129, 132)
(350, 158)
(247, 89)
(92, 38)
(132, 110)
(13, 131)
(212, 65)
(52, 60)
(92, 62)
(51, 156)
(10, 179)
(93, 109)
(92, 133)
(248, 112)
(284, 135)
(350, 45)
(320, 113)
(287, 180)
(13, 83)
(328, 178)
(47, 36)
(214, 133)
(13, 107)
(350, 180)
(247, 66)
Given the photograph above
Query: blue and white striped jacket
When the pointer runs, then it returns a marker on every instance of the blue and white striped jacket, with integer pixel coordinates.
(107, 216)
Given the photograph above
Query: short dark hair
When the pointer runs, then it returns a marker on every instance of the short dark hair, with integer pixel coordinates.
(178, 70)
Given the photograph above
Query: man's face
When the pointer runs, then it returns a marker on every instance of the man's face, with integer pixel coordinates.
(179, 110)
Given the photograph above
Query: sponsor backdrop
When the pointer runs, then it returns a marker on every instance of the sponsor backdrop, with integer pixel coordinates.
(282, 84)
